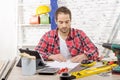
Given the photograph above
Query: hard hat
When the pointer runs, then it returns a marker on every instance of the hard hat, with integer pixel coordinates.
(42, 9)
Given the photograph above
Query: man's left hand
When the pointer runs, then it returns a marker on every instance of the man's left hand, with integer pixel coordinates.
(78, 58)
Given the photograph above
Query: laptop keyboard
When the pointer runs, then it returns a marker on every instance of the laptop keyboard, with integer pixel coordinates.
(47, 70)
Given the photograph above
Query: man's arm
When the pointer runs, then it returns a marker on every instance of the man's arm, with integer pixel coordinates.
(42, 46)
(90, 50)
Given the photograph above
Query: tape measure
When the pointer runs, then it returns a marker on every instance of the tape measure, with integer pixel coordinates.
(88, 63)
(92, 71)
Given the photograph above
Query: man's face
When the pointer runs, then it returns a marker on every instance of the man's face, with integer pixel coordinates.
(63, 22)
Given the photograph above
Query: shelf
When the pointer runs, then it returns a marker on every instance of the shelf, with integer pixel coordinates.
(35, 24)
(27, 44)
(32, 4)
(29, 34)
(45, 26)
(30, 46)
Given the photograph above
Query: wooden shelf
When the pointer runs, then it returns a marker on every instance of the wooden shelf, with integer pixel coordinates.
(32, 4)
(27, 44)
(25, 9)
(45, 26)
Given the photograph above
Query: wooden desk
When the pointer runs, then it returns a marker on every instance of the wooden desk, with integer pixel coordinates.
(16, 74)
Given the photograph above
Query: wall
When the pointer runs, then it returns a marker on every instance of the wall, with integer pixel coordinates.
(95, 17)
(8, 29)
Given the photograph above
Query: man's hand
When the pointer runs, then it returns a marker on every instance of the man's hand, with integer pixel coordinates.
(78, 58)
(57, 57)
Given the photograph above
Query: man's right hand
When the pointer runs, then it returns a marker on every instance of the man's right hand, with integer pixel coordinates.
(57, 57)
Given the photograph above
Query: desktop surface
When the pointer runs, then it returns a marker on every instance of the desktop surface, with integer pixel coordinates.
(16, 74)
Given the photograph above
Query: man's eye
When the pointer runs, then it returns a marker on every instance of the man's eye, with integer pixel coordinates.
(60, 22)
(66, 22)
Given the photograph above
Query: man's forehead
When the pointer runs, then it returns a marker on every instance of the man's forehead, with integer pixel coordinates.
(61, 13)
(63, 20)
(63, 17)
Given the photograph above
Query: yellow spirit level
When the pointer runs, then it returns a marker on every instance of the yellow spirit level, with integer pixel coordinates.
(92, 71)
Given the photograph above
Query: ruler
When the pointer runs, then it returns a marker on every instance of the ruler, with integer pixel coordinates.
(78, 68)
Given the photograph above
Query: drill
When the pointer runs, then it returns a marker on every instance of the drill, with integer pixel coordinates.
(116, 49)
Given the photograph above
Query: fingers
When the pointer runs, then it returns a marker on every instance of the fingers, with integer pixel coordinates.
(76, 59)
(79, 58)
(60, 58)
(57, 57)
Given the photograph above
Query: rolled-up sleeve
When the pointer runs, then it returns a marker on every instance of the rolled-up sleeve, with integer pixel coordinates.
(42, 46)
(90, 50)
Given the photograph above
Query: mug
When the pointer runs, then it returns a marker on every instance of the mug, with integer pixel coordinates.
(28, 66)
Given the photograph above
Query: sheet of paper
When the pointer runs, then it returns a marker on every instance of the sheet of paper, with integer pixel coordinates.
(67, 64)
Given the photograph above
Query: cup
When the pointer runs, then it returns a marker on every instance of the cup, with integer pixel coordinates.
(28, 66)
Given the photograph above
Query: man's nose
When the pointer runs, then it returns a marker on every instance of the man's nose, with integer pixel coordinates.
(64, 24)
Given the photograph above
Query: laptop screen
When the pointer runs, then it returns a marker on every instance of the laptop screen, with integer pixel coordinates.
(30, 52)
(39, 60)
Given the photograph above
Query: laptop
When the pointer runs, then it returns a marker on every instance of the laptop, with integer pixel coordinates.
(39, 60)
(40, 63)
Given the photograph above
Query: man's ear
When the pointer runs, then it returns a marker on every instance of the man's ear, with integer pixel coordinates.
(55, 21)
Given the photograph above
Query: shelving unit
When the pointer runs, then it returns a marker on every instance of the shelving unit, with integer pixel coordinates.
(29, 34)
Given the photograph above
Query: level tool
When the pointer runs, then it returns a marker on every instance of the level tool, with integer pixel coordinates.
(92, 71)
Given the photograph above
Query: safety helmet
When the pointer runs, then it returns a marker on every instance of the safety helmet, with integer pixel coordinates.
(43, 9)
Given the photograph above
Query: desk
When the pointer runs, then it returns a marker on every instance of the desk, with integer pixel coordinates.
(16, 74)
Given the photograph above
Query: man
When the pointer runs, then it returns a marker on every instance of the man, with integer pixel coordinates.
(65, 42)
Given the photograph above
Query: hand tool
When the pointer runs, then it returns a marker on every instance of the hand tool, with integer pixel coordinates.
(92, 71)
(116, 49)
(88, 63)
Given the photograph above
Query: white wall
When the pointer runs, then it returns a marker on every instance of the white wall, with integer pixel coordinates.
(95, 17)
(8, 29)
(89, 15)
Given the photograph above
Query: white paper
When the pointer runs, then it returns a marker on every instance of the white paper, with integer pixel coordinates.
(67, 64)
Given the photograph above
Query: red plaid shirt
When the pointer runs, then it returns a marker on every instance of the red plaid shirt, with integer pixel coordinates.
(77, 43)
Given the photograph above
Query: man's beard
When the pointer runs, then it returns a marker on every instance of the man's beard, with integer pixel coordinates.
(64, 30)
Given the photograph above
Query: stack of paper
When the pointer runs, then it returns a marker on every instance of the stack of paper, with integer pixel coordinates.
(67, 64)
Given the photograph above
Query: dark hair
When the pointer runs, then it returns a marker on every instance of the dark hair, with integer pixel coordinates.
(64, 10)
